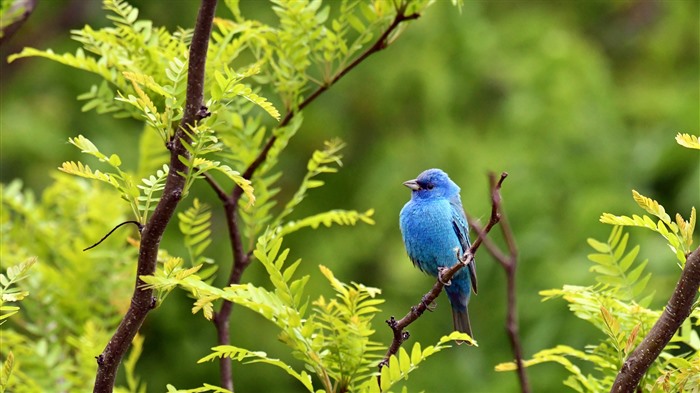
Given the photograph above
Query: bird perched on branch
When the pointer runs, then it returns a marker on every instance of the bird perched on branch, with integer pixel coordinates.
(435, 232)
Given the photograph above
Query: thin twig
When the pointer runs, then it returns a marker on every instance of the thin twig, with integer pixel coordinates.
(509, 263)
(676, 311)
(142, 300)
(397, 327)
(138, 225)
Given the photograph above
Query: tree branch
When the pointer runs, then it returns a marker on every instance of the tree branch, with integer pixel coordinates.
(509, 262)
(397, 327)
(677, 310)
(142, 300)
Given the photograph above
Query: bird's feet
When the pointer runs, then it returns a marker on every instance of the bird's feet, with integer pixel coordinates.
(428, 306)
(464, 259)
(440, 271)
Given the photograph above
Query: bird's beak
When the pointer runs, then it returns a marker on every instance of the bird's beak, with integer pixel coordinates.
(412, 184)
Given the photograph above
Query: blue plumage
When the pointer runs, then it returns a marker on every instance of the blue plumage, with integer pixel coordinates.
(434, 229)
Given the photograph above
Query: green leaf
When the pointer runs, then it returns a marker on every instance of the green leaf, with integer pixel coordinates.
(600, 247)
(246, 356)
(194, 223)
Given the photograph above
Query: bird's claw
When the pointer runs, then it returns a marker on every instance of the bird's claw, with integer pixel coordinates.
(428, 306)
(440, 271)
(463, 258)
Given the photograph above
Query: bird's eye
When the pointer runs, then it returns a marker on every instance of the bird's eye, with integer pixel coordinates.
(429, 186)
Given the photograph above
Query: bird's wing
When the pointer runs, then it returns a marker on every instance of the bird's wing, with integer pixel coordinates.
(461, 228)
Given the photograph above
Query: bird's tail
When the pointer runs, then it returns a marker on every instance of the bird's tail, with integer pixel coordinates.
(460, 318)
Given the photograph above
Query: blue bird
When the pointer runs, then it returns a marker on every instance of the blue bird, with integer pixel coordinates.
(434, 228)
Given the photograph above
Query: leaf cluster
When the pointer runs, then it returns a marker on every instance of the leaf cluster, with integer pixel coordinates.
(51, 342)
(619, 308)
(333, 340)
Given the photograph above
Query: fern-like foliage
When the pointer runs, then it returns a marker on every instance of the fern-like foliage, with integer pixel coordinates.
(615, 306)
(262, 216)
(257, 219)
(9, 292)
(678, 233)
(143, 69)
(228, 86)
(248, 357)
(120, 180)
(205, 388)
(613, 263)
(689, 141)
(332, 217)
(130, 45)
(318, 164)
(308, 48)
(161, 122)
(343, 332)
(55, 226)
(151, 188)
(170, 276)
(195, 225)
(333, 340)
(402, 364)
(141, 197)
(204, 142)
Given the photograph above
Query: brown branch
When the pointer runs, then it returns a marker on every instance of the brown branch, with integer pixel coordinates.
(142, 300)
(677, 310)
(509, 262)
(241, 258)
(397, 327)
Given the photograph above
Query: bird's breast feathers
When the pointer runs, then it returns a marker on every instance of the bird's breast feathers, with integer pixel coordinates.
(428, 234)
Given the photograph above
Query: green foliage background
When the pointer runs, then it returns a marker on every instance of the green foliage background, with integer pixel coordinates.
(578, 101)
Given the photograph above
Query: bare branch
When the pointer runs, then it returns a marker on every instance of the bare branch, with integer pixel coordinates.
(676, 311)
(509, 263)
(142, 300)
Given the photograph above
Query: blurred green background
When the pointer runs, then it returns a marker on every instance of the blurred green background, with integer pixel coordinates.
(579, 101)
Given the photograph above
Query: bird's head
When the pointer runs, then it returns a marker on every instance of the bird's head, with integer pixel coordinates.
(432, 183)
